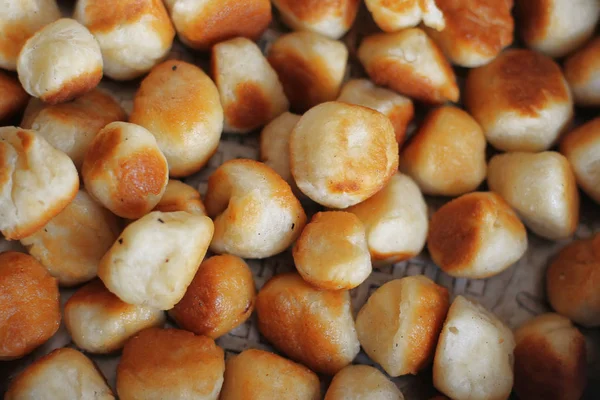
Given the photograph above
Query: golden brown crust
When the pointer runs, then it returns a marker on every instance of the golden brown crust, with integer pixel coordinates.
(534, 18)
(310, 11)
(252, 107)
(13, 99)
(401, 116)
(74, 87)
(179, 196)
(96, 293)
(582, 66)
(582, 137)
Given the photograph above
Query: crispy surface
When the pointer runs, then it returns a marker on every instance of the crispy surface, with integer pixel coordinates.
(582, 65)
(362, 382)
(534, 17)
(13, 99)
(179, 196)
(105, 16)
(74, 87)
(312, 11)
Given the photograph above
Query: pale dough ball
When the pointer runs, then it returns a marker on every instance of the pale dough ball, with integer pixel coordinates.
(582, 71)
(361, 382)
(179, 196)
(393, 16)
(13, 99)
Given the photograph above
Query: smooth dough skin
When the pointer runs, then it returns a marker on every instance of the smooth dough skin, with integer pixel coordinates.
(399, 325)
(394, 15)
(30, 309)
(60, 62)
(202, 24)
(582, 71)
(362, 382)
(342, 154)
(474, 356)
(64, 374)
(257, 375)
(220, 297)
(550, 359)
(36, 182)
(179, 104)
(311, 326)
(572, 282)
(179, 196)
(13, 99)
(170, 364)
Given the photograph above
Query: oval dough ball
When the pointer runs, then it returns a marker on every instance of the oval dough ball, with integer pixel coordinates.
(550, 359)
(541, 188)
(446, 157)
(399, 325)
(202, 24)
(342, 154)
(71, 127)
(60, 62)
(361, 382)
(179, 104)
(393, 16)
(30, 309)
(312, 326)
(14, 98)
(134, 35)
(220, 297)
(521, 99)
(156, 258)
(170, 364)
(255, 212)
(37, 182)
(256, 374)
(64, 374)
(310, 67)
(572, 282)
(474, 356)
(251, 94)
(410, 63)
(179, 196)
(582, 71)
(19, 20)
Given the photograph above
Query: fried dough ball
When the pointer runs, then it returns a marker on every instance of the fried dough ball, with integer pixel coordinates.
(361, 382)
(30, 309)
(179, 196)
(582, 71)
(156, 257)
(474, 356)
(342, 154)
(170, 364)
(550, 359)
(179, 104)
(255, 212)
(399, 325)
(64, 374)
(251, 94)
(312, 326)
(256, 374)
(393, 16)
(37, 182)
(14, 98)
(572, 282)
(60, 62)
(220, 297)
(541, 188)
(310, 67)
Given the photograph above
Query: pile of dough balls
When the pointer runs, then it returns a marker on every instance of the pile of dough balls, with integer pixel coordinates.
(384, 131)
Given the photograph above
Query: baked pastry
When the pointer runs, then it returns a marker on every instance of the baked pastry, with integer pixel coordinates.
(256, 374)
(392, 327)
(255, 212)
(220, 297)
(156, 257)
(179, 104)
(179, 196)
(474, 356)
(342, 154)
(125, 170)
(38, 182)
(310, 67)
(521, 99)
(251, 94)
(312, 326)
(30, 308)
(332, 252)
(541, 188)
(60, 62)
(582, 71)
(14, 98)
(362, 382)
(393, 16)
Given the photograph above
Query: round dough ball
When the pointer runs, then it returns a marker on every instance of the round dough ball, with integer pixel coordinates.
(332, 252)
(521, 100)
(125, 170)
(30, 309)
(170, 364)
(134, 35)
(474, 356)
(202, 24)
(179, 196)
(220, 297)
(64, 374)
(255, 212)
(312, 326)
(179, 104)
(393, 16)
(446, 157)
(60, 62)
(256, 374)
(13, 99)
(392, 327)
(550, 359)
(541, 188)
(361, 382)
(572, 282)
(582, 71)
(342, 154)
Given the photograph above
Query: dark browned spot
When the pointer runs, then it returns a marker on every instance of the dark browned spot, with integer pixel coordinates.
(73, 88)
(251, 108)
